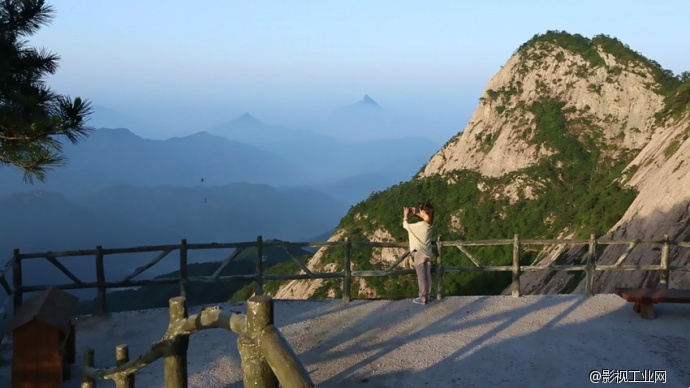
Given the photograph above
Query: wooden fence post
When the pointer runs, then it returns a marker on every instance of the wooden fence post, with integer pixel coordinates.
(255, 369)
(516, 266)
(347, 271)
(282, 360)
(183, 268)
(100, 280)
(17, 280)
(591, 265)
(175, 357)
(86, 381)
(122, 357)
(439, 269)
(663, 276)
(259, 280)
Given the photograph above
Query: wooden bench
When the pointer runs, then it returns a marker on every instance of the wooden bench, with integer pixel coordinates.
(644, 298)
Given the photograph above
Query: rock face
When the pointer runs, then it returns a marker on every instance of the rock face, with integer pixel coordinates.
(615, 103)
(662, 208)
(493, 143)
(621, 99)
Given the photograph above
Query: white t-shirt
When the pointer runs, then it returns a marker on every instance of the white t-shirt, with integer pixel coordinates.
(419, 234)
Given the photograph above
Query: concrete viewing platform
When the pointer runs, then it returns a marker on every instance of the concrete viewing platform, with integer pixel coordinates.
(464, 341)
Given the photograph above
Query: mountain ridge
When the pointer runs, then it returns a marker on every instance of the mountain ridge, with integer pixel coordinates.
(544, 155)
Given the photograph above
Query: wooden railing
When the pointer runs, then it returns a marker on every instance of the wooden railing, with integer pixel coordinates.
(590, 266)
(267, 358)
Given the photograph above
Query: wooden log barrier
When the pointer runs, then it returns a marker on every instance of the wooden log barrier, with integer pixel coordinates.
(90, 373)
(267, 358)
(206, 319)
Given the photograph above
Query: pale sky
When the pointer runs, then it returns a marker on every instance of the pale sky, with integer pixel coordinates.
(185, 66)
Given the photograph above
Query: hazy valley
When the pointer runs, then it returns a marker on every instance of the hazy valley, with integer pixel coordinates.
(232, 183)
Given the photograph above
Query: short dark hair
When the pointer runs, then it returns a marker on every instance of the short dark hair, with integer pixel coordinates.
(429, 209)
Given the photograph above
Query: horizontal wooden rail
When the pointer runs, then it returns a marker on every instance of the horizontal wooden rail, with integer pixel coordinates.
(314, 275)
(81, 252)
(131, 283)
(375, 244)
(330, 244)
(476, 243)
(493, 268)
(552, 242)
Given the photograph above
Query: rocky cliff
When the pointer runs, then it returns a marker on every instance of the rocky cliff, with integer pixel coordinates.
(617, 100)
(662, 208)
(661, 176)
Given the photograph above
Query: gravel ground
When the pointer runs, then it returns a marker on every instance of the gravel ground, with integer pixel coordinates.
(469, 341)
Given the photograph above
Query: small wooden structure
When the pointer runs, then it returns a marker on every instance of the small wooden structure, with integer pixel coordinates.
(644, 298)
(44, 340)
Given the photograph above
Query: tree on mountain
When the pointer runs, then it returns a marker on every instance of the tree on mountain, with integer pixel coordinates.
(33, 119)
(684, 76)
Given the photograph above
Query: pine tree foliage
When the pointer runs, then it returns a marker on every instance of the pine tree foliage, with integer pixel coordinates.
(33, 119)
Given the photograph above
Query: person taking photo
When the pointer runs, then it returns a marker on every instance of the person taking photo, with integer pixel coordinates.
(419, 236)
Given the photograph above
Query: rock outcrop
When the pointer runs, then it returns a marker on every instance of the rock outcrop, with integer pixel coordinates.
(620, 103)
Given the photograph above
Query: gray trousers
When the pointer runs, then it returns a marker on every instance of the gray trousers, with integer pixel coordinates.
(422, 265)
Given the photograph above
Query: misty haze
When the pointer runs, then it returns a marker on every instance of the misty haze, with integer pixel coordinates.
(231, 182)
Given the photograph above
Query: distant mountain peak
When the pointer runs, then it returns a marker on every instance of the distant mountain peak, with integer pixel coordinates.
(368, 101)
(247, 118)
(115, 132)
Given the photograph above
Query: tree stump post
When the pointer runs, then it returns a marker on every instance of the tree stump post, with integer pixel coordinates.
(255, 369)
(278, 353)
(175, 358)
(86, 381)
(122, 357)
